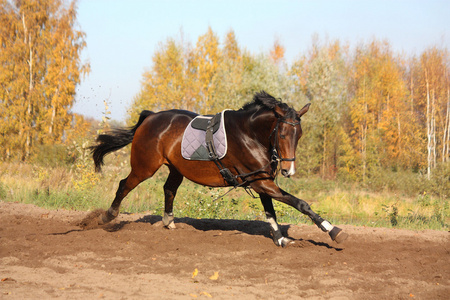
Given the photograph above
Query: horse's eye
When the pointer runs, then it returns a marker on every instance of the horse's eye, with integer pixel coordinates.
(282, 136)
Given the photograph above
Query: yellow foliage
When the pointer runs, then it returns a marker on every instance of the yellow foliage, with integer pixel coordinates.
(277, 52)
(39, 70)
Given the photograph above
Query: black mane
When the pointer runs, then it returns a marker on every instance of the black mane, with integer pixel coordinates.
(264, 100)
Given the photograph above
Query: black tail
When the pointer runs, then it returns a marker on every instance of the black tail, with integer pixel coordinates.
(114, 140)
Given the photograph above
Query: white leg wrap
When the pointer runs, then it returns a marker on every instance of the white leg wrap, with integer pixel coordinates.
(273, 224)
(168, 221)
(327, 226)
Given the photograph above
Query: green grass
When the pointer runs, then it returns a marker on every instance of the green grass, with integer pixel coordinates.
(77, 187)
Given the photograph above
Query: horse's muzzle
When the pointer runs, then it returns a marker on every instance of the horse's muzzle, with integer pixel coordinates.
(285, 173)
(288, 172)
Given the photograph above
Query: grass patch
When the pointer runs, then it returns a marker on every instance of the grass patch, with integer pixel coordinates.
(77, 187)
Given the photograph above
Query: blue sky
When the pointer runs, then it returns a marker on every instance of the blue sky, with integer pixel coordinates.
(122, 35)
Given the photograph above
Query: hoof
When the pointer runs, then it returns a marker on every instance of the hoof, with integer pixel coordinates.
(171, 225)
(102, 219)
(105, 218)
(341, 237)
(284, 242)
(338, 235)
(168, 221)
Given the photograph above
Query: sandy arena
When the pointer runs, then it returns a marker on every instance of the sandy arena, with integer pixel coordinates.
(45, 255)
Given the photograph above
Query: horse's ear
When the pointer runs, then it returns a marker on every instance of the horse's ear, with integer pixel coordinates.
(279, 111)
(303, 111)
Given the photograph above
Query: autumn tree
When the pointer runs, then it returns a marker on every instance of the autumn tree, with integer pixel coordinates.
(206, 78)
(277, 52)
(372, 109)
(207, 58)
(431, 89)
(40, 67)
(164, 86)
(320, 77)
(241, 74)
(180, 76)
(384, 130)
(228, 78)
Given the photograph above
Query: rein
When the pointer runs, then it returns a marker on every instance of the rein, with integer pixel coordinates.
(275, 159)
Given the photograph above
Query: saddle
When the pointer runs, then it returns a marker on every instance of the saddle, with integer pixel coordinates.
(203, 135)
(205, 139)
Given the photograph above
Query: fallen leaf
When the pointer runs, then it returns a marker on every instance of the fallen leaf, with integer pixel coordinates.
(193, 295)
(195, 273)
(206, 294)
(215, 276)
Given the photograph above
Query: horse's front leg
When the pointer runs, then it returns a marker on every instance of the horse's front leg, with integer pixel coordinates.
(269, 188)
(271, 218)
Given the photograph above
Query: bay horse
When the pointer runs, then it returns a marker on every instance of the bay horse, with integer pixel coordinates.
(262, 138)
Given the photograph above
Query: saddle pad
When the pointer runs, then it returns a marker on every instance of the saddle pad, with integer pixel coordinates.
(193, 145)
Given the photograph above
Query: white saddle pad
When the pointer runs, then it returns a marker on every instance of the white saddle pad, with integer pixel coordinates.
(193, 145)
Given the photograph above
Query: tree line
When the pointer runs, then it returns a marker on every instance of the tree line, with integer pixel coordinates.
(372, 108)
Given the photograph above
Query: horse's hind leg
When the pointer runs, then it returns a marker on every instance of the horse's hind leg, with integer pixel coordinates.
(125, 186)
(170, 190)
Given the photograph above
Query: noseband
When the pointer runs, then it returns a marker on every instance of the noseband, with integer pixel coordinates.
(276, 145)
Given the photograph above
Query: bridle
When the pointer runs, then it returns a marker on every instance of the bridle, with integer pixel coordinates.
(276, 144)
(276, 158)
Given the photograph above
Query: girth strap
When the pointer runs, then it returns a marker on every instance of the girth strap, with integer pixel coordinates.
(209, 138)
(225, 172)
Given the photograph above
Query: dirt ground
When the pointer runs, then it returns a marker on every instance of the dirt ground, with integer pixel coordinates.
(45, 255)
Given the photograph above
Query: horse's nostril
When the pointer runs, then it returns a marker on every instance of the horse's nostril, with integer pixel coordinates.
(285, 173)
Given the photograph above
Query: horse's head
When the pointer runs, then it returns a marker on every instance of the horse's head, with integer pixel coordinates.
(279, 128)
(285, 136)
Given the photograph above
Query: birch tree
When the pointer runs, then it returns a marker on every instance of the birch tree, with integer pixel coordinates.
(432, 95)
(40, 67)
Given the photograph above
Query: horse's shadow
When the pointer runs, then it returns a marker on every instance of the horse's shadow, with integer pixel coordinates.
(243, 226)
(254, 227)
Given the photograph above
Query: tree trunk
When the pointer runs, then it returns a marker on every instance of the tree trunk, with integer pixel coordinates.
(324, 151)
(446, 134)
(52, 121)
(26, 125)
(429, 129)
